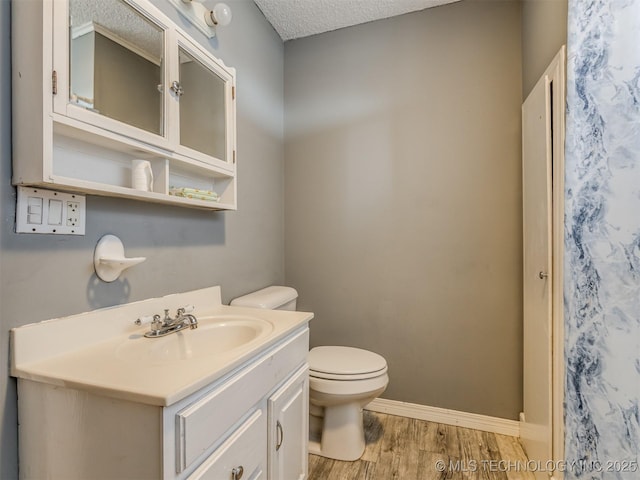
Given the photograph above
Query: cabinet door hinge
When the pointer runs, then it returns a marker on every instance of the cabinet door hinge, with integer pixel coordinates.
(233, 93)
(54, 82)
(234, 156)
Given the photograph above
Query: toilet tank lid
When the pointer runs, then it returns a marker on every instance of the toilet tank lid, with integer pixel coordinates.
(269, 298)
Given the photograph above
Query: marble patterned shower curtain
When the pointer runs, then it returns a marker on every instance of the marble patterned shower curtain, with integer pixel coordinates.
(602, 240)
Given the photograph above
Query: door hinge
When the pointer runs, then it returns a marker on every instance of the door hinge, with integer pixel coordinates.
(233, 93)
(54, 82)
(234, 156)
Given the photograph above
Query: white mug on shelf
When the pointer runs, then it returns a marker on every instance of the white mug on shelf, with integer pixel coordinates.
(141, 175)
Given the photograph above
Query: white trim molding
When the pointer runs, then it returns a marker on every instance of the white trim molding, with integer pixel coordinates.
(449, 417)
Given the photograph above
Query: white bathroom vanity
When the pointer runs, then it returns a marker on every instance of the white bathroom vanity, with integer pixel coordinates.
(227, 400)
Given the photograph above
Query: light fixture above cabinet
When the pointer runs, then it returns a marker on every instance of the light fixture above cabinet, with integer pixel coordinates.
(203, 18)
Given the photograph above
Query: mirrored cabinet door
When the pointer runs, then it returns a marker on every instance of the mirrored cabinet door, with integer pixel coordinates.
(204, 92)
(202, 107)
(116, 63)
(116, 67)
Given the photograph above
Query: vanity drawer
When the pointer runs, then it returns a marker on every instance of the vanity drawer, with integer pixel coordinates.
(204, 422)
(245, 450)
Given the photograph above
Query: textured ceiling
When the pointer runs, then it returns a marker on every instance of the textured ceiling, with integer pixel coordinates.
(301, 18)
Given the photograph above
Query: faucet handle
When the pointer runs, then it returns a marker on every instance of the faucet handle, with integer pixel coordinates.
(186, 309)
(144, 320)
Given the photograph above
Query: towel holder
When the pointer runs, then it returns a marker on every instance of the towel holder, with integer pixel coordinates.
(109, 260)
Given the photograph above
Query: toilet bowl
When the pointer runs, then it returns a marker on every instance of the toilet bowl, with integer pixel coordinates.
(342, 380)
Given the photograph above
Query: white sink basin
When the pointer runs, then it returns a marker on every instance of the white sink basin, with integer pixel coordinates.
(215, 335)
(102, 351)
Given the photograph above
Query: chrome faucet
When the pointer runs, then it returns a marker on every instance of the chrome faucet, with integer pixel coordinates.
(164, 326)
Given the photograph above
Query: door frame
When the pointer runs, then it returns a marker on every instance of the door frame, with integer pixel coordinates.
(557, 73)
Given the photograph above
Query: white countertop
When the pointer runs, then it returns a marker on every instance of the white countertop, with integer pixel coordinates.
(80, 351)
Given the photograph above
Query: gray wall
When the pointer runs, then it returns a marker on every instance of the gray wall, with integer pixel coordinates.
(47, 276)
(403, 199)
(544, 31)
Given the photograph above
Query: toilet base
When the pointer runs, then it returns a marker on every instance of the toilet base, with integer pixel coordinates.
(342, 434)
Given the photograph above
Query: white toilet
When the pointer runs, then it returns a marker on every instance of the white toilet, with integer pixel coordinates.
(342, 380)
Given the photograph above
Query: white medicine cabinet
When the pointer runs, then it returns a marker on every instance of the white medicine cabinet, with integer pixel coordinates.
(98, 85)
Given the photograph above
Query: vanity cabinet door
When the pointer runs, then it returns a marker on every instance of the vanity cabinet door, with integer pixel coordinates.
(289, 428)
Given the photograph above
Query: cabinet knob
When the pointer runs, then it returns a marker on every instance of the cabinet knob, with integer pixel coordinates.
(176, 88)
(236, 473)
(542, 275)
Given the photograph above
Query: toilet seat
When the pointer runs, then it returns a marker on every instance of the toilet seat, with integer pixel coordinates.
(345, 363)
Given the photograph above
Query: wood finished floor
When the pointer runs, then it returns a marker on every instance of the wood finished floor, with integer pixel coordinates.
(409, 449)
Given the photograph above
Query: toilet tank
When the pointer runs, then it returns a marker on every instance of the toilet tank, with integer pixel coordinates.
(272, 298)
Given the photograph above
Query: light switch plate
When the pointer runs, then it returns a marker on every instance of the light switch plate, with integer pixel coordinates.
(47, 211)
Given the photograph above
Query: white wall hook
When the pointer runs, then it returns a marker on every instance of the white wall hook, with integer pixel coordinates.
(109, 260)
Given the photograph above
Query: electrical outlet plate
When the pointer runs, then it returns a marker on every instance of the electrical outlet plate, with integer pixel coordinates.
(47, 211)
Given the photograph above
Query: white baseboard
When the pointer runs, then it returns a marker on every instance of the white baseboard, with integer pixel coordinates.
(448, 417)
